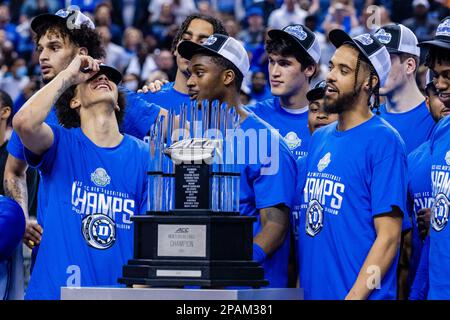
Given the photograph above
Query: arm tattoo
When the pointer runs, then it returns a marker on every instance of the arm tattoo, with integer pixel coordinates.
(16, 188)
(278, 214)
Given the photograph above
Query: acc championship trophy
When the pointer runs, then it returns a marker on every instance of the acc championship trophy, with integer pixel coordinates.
(193, 233)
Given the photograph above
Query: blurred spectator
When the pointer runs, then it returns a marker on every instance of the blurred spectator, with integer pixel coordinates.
(142, 63)
(165, 62)
(32, 8)
(289, 13)
(439, 9)
(181, 9)
(25, 45)
(204, 7)
(102, 18)
(232, 27)
(253, 36)
(132, 37)
(15, 79)
(341, 15)
(116, 55)
(131, 82)
(129, 13)
(166, 18)
(259, 89)
(422, 26)
(6, 25)
(156, 75)
(33, 86)
(367, 24)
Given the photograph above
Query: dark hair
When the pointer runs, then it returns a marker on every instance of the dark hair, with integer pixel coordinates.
(436, 54)
(216, 24)
(287, 47)
(69, 118)
(373, 91)
(430, 89)
(225, 64)
(6, 101)
(83, 37)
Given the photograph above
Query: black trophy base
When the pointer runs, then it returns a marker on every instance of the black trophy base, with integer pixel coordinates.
(206, 274)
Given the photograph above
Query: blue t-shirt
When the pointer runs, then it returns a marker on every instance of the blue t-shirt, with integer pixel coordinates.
(439, 257)
(419, 197)
(292, 127)
(261, 96)
(168, 98)
(415, 126)
(264, 184)
(92, 194)
(348, 174)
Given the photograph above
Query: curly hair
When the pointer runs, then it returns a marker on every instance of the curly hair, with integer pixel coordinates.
(217, 25)
(82, 37)
(70, 118)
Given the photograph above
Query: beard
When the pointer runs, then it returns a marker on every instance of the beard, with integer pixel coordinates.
(343, 103)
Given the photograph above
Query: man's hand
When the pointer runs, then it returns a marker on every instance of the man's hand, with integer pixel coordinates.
(423, 222)
(153, 87)
(81, 69)
(33, 234)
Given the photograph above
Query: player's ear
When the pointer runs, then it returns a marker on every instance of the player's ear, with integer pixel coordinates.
(5, 112)
(75, 102)
(310, 70)
(228, 77)
(83, 51)
(427, 102)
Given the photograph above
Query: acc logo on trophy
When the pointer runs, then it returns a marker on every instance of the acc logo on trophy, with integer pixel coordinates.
(99, 231)
(439, 212)
(314, 218)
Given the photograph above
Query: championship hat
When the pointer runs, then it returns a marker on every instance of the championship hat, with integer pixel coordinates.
(398, 39)
(442, 36)
(72, 16)
(218, 45)
(304, 38)
(369, 47)
(318, 92)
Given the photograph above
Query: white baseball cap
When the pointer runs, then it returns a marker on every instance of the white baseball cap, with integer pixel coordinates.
(218, 45)
(368, 46)
(398, 39)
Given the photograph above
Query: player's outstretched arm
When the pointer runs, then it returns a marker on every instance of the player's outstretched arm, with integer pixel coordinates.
(383, 252)
(36, 135)
(275, 224)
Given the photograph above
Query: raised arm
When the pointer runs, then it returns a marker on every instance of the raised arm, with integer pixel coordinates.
(29, 124)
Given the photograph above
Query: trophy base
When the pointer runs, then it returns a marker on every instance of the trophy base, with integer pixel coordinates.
(180, 273)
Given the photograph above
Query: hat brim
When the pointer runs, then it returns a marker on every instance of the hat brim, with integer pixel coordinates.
(339, 37)
(274, 34)
(112, 73)
(188, 49)
(44, 18)
(435, 43)
(315, 94)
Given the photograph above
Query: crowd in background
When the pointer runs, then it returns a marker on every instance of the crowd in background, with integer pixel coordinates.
(138, 34)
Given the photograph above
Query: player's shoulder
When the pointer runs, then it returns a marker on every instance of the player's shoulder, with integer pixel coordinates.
(261, 107)
(135, 143)
(422, 151)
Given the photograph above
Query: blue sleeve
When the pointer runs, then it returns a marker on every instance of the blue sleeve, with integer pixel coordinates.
(12, 226)
(389, 181)
(15, 146)
(45, 161)
(419, 288)
(139, 115)
(279, 186)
